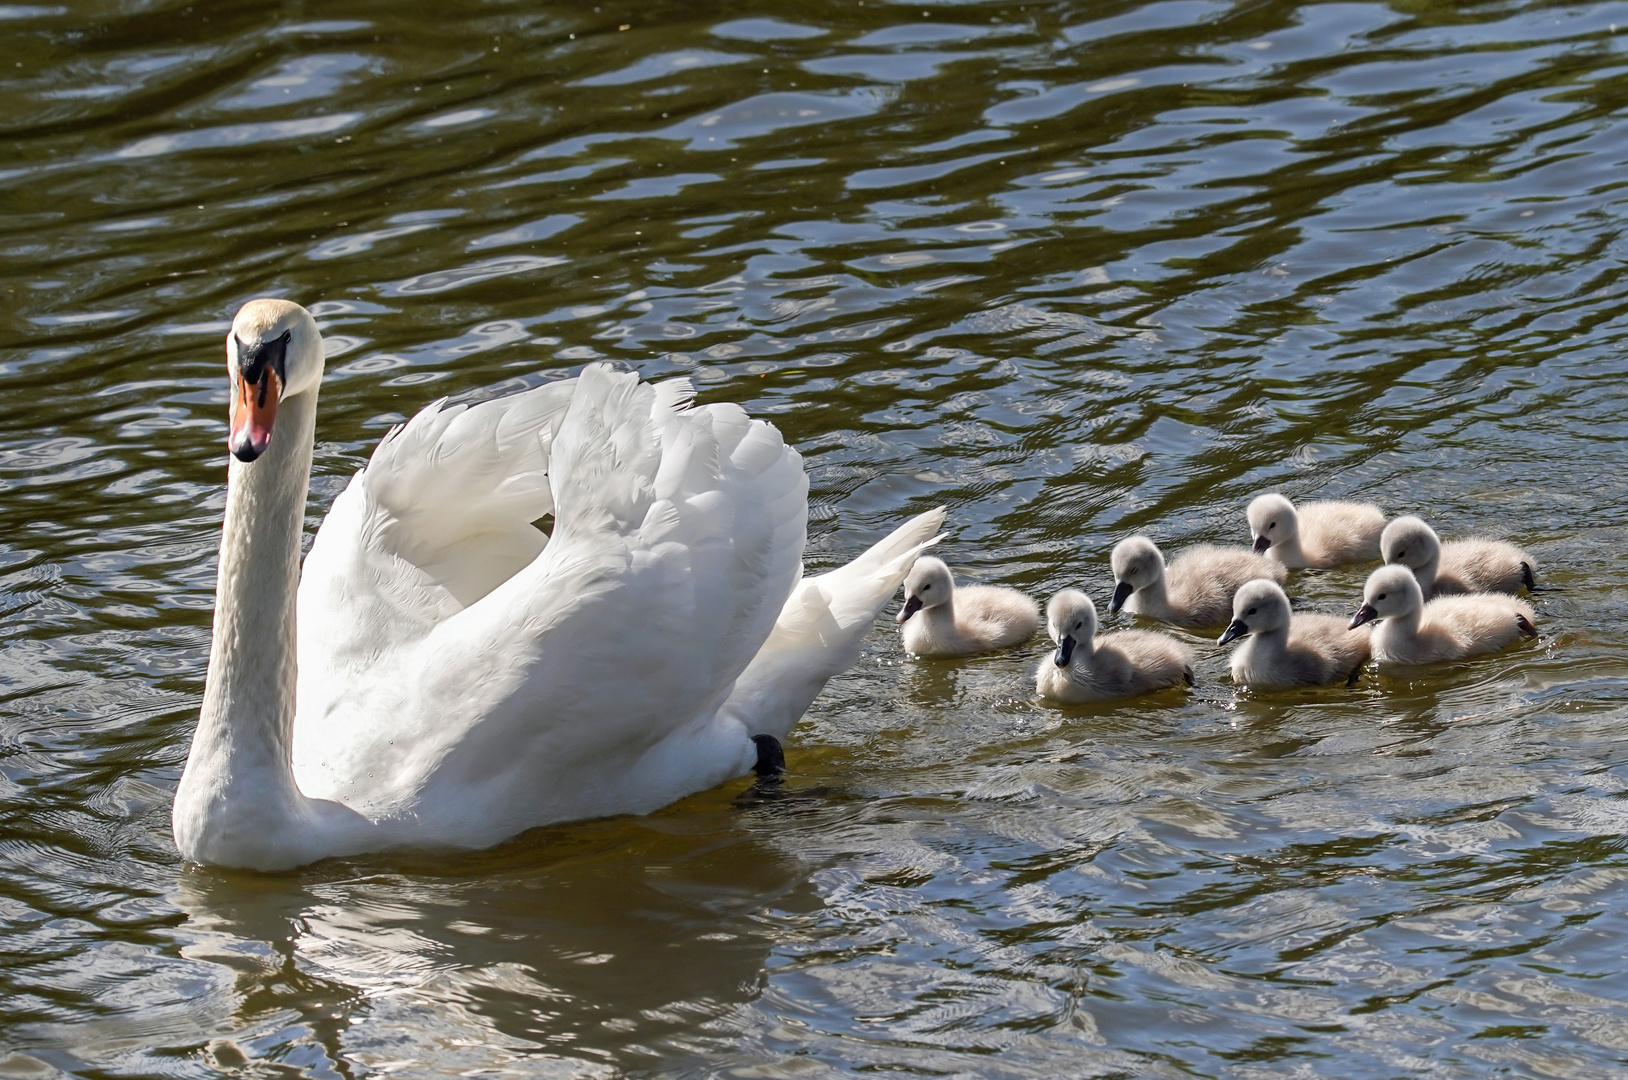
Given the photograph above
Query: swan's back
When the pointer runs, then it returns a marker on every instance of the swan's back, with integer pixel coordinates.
(995, 617)
(1318, 650)
(1456, 627)
(1333, 533)
(1478, 565)
(1130, 662)
(1202, 581)
(428, 690)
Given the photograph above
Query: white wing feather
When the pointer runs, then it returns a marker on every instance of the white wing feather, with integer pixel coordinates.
(459, 675)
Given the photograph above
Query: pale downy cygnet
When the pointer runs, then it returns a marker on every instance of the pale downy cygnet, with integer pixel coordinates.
(1447, 628)
(1315, 534)
(1194, 590)
(941, 620)
(1122, 664)
(1282, 649)
(1458, 566)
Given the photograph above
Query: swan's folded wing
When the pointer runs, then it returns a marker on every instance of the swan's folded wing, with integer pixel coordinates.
(678, 535)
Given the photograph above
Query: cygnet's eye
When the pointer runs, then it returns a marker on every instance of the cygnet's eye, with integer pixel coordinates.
(1079, 623)
(1381, 596)
(924, 588)
(1271, 525)
(1251, 611)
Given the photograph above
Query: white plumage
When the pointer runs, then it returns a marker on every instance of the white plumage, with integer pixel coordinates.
(1121, 664)
(1195, 590)
(1458, 566)
(1315, 534)
(462, 677)
(1447, 628)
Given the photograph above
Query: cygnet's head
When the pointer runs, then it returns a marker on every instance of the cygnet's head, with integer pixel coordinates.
(1272, 521)
(273, 352)
(1071, 619)
(1410, 542)
(1392, 591)
(1137, 564)
(928, 585)
(1259, 607)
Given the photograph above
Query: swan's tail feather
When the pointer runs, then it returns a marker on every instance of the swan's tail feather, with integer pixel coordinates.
(822, 628)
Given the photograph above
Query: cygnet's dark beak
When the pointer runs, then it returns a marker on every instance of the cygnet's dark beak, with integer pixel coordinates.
(1365, 614)
(1261, 544)
(1235, 630)
(1065, 649)
(1122, 593)
(911, 606)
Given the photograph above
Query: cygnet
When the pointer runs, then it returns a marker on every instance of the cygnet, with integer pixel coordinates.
(1447, 628)
(1122, 664)
(1282, 649)
(1195, 590)
(1458, 566)
(1316, 534)
(960, 622)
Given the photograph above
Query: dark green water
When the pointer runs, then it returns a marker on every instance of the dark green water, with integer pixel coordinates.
(1071, 270)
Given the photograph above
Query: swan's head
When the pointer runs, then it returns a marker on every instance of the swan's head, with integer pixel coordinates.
(273, 352)
(1409, 542)
(1071, 619)
(928, 585)
(1137, 564)
(1259, 607)
(1272, 521)
(1391, 592)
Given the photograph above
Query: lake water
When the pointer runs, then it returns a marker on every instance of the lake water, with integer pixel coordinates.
(1071, 270)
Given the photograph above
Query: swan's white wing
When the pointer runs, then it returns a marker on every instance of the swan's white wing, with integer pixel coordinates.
(822, 627)
(677, 538)
(441, 514)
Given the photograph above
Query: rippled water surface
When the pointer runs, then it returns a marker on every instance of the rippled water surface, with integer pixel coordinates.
(1072, 270)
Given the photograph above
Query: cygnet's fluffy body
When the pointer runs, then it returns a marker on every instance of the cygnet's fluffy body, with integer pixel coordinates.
(1122, 664)
(1282, 649)
(1447, 628)
(1458, 566)
(941, 620)
(1195, 590)
(1315, 534)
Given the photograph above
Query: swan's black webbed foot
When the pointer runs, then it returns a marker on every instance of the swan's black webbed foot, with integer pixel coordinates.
(771, 760)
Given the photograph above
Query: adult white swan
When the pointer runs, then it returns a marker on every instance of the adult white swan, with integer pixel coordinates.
(458, 676)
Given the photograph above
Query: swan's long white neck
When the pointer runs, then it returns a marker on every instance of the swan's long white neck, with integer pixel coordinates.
(238, 790)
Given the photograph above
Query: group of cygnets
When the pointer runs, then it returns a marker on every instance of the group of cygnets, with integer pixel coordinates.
(1430, 602)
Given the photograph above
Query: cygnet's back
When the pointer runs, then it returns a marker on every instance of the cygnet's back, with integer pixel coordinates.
(1121, 664)
(1315, 534)
(1282, 649)
(1448, 628)
(1458, 566)
(1195, 590)
(961, 622)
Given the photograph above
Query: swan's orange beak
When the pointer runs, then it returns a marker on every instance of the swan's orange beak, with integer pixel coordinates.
(254, 409)
(258, 384)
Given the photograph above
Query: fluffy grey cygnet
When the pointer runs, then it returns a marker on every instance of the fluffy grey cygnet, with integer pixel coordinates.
(1458, 566)
(940, 620)
(1122, 664)
(1447, 628)
(1315, 534)
(1195, 590)
(1282, 649)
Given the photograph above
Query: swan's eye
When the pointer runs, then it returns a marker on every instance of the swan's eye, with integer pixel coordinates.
(1401, 554)
(924, 588)
(1251, 611)
(1272, 525)
(1381, 596)
(1080, 624)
